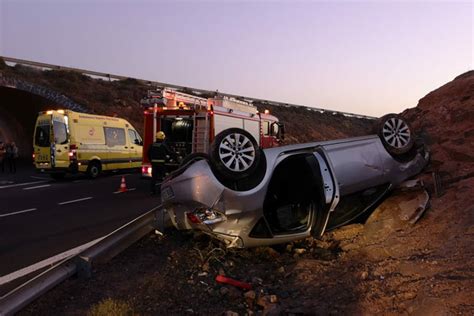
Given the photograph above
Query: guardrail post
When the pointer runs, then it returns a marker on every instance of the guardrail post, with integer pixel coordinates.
(84, 267)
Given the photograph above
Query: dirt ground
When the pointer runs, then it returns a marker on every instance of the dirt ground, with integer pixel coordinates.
(385, 266)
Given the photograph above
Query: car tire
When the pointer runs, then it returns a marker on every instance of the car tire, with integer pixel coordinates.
(396, 134)
(235, 154)
(193, 157)
(94, 169)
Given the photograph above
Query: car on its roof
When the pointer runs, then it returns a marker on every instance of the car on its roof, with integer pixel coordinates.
(247, 197)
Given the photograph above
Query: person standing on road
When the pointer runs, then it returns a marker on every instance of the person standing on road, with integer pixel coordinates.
(3, 153)
(12, 155)
(158, 152)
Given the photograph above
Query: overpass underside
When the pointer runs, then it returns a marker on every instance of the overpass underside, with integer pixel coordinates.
(18, 111)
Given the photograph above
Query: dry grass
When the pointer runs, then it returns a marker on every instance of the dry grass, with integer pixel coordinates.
(111, 307)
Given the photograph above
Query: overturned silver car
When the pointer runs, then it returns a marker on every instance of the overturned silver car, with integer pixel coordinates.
(249, 197)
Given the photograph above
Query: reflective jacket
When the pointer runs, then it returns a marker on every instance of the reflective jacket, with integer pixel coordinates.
(158, 152)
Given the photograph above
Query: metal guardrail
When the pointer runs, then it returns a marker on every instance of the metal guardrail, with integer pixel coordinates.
(178, 87)
(82, 264)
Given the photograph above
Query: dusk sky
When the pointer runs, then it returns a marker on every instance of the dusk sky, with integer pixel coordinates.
(362, 57)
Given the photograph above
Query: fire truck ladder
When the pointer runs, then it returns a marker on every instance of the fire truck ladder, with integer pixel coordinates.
(201, 132)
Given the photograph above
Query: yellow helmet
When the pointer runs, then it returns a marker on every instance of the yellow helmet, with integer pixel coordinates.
(160, 135)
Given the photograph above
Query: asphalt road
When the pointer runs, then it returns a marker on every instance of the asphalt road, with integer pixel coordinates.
(41, 217)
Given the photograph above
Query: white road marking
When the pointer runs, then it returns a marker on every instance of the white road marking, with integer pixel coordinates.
(39, 265)
(74, 201)
(20, 184)
(19, 212)
(41, 178)
(37, 187)
(131, 189)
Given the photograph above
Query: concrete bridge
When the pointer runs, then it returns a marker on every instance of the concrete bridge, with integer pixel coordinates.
(20, 103)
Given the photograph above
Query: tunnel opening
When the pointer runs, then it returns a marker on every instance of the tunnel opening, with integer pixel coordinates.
(18, 112)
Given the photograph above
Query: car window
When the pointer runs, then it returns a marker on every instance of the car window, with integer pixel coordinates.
(114, 136)
(59, 132)
(134, 137)
(353, 205)
(42, 136)
(266, 128)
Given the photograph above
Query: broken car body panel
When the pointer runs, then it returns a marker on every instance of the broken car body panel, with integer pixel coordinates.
(302, 187)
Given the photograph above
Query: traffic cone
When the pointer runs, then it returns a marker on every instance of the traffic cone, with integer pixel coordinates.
(123, 186)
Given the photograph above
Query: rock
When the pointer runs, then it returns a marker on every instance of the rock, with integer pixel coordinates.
(348, 232)
(407, 295)
(263, 300)
(250, 298)
(256, 280)
(299, 251)
(281, 270)
(250, 295)
(272, 310)
(348, 246)
(289, 247)
(273, 253)
(273, 299)
(234, 293)
(224, 291)
(231, 313)
(364, 275)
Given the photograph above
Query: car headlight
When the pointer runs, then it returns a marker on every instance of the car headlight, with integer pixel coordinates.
(206, 216)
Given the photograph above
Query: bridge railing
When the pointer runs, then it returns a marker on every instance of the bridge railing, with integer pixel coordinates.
(44, 92)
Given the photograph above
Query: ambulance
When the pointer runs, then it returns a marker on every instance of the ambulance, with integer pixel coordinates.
(68, 142)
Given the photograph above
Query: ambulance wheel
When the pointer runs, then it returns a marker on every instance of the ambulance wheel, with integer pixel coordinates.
(94, 169)
(235, 154)
(396, 134)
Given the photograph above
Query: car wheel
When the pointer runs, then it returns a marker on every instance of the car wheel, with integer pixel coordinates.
(235, 153)
(94, 169)
(395, 134)
(194, 157)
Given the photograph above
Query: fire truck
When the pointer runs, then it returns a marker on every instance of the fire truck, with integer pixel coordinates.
(191, 123)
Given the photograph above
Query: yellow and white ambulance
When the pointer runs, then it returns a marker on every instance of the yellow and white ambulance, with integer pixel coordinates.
(65, 141)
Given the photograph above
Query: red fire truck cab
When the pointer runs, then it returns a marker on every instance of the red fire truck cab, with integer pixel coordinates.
(190, 123)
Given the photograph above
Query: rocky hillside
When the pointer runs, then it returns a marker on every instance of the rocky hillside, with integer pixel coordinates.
(446, 116)
(123, 97)
(387, 265)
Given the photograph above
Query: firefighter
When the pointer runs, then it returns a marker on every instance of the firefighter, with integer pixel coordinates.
(158, 152)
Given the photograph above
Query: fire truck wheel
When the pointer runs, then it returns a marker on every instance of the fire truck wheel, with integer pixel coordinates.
(193, 157)
(235, 153)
